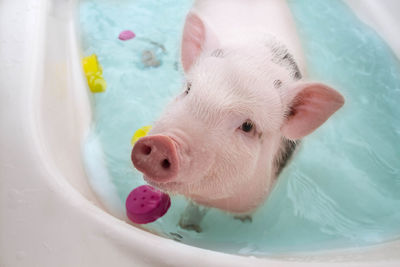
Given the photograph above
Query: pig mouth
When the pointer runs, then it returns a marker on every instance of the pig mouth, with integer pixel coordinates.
(171, 186)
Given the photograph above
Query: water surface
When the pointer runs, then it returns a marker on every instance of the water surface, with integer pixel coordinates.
(343, 187)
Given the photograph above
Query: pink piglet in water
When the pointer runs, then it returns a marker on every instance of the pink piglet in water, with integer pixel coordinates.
(246, 102)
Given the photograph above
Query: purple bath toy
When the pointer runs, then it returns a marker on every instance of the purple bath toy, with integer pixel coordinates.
(126, 35)
(146, 204)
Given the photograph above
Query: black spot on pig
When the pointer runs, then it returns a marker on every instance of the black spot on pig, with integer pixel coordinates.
(217, 53)
(282, 57)
(289, 60)
(277, 83)
(284, 154)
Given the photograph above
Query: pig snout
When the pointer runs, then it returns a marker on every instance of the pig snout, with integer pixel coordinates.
(156, 157)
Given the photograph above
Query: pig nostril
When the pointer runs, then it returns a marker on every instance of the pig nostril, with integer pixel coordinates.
(165, 164)
(146, 150)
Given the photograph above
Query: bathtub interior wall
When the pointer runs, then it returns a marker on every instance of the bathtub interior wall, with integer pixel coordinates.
(63, 116)
(53, 112)
(46, 204)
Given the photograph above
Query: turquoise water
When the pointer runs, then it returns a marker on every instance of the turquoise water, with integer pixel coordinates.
(343, 187)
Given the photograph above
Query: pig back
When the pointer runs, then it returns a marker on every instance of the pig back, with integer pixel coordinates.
(245, 20)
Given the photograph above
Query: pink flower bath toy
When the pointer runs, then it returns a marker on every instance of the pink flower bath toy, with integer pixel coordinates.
(145, 204)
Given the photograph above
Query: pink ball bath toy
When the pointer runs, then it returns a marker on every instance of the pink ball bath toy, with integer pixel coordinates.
(146, 204)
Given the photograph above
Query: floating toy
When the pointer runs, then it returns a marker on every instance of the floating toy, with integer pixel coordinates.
(141, 132)
(96, 83)
(145, 204)
(94, 74)
(126, 35)
(149, 59)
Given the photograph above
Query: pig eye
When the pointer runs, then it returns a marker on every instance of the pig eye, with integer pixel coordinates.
(247, 126)
(188, 88)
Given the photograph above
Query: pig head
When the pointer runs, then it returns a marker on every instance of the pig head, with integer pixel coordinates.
(224, 139)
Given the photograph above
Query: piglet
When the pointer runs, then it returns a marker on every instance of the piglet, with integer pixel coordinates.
(245, 104)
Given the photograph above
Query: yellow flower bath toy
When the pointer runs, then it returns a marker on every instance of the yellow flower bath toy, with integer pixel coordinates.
(141, 132)
(94, 74)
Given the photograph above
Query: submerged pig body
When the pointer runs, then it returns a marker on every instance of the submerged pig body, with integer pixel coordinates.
(223, 140)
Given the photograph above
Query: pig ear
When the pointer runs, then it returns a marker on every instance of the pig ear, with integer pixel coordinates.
(311, 106)
(194, 35)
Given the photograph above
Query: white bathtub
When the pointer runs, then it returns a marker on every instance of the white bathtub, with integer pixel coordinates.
(48, 214)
